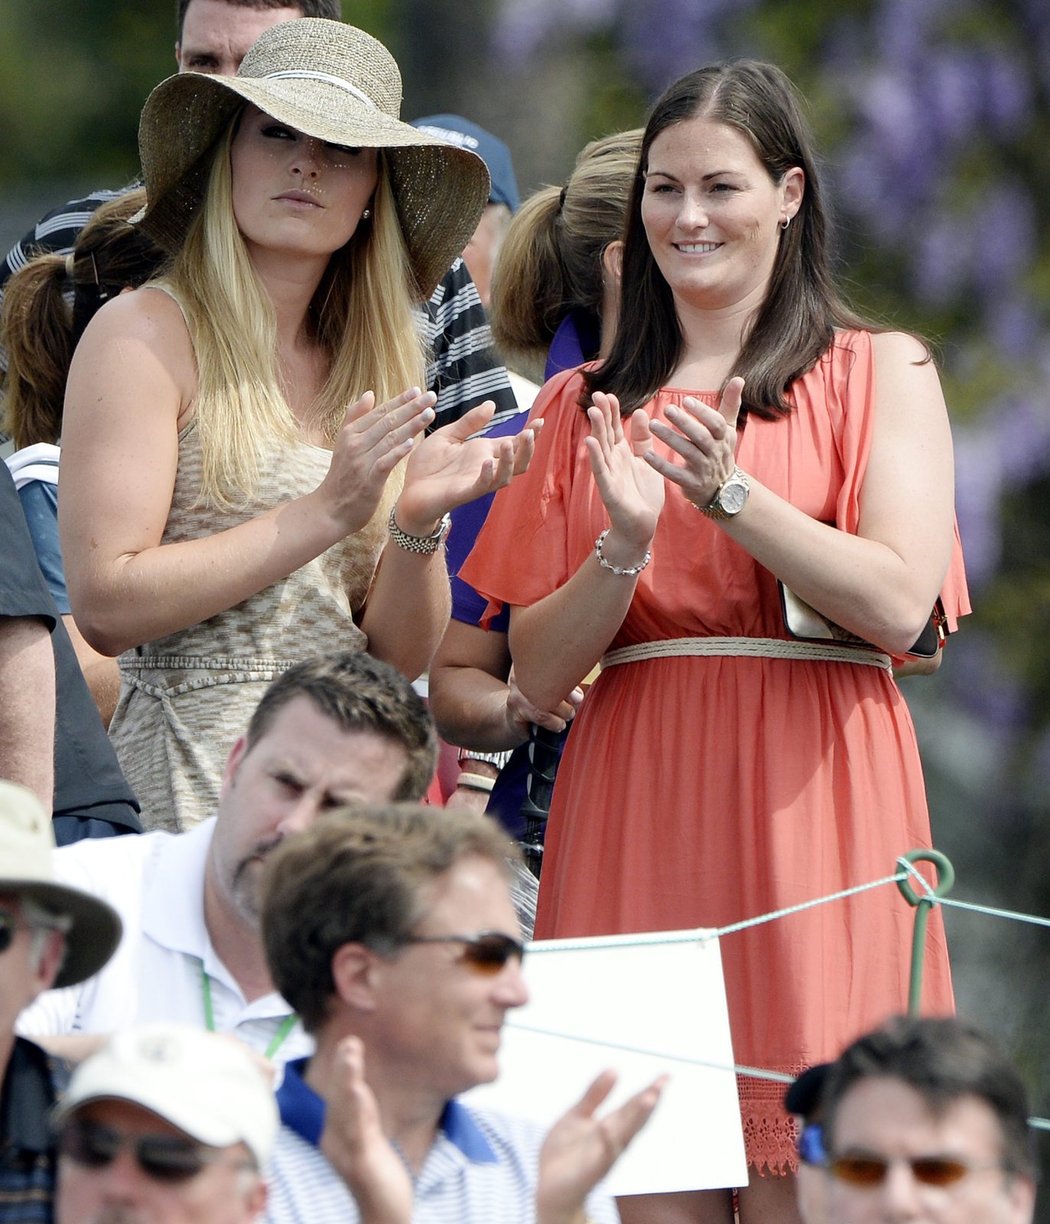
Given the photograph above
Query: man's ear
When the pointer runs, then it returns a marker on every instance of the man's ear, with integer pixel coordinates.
(1022, 1199)
(178, 56)
(354, 975)
(237, 753)
(50, 961)
(257, 1197)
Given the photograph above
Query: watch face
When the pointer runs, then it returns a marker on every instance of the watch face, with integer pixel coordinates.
(733, 496)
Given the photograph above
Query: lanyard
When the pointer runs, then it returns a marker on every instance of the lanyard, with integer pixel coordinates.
(276, 1041)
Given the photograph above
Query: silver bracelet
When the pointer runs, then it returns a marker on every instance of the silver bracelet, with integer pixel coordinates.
(424, 545)
(621, 571)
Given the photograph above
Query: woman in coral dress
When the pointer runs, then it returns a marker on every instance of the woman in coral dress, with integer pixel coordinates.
(747, 428)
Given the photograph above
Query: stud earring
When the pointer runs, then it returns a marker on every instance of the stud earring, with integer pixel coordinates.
(366, 214)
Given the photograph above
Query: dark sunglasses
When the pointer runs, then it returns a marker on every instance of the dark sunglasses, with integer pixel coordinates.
(165, 1158)
(868, 1171)
(487, 952)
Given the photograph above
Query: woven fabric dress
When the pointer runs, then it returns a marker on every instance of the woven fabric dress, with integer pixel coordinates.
(699, 791)
(185, 698)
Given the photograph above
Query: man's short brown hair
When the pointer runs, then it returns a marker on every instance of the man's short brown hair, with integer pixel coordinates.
(943, 1059)
(359, 693)
(359, 876)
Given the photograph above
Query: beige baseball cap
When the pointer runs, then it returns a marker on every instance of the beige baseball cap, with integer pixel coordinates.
(209, 1085)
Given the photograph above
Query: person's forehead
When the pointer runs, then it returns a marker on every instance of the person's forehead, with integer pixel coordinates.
(301, 732)
(226, 22)
(471, 896)
(891, 1117)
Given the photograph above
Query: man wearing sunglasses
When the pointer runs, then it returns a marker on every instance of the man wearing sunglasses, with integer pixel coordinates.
(329, 731)
(165, 1124)
(49, 935)
(926, 1122)
(392, 932)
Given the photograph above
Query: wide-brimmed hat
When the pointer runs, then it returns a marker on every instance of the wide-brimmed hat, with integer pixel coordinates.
(337, 84)
(207, 1084)
(26, 870)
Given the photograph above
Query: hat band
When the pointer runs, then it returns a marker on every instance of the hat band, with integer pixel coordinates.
(338, 82)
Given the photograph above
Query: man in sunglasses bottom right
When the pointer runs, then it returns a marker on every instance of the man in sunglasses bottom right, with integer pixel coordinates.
(925, 1121)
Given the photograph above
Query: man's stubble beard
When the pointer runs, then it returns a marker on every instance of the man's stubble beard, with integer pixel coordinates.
(244, 882)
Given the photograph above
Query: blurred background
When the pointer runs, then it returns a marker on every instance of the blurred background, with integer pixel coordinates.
(934, 118)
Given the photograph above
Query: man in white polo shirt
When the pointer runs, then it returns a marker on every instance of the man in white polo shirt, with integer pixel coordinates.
(330, 731)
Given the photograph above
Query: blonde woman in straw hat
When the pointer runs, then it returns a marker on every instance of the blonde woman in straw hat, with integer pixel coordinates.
(245, 479)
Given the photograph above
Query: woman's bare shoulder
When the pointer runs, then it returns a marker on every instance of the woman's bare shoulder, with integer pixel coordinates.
(144, 332)
(145, 313)
(900, 347)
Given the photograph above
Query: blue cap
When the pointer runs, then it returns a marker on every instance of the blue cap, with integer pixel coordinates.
(492, 151)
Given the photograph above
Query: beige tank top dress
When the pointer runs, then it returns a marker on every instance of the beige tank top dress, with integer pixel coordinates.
(185, 698)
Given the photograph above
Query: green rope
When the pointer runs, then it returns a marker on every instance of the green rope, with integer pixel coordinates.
(923, 905)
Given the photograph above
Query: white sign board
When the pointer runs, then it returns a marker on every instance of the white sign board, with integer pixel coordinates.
(643, 1009)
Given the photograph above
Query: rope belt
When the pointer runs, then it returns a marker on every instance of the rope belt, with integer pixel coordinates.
(764, 648)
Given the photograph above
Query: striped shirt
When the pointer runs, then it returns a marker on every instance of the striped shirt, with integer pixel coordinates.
(464, 370)
(481, 1168)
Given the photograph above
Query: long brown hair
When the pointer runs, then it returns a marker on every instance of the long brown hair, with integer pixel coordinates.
(49, 302)
(802, 308)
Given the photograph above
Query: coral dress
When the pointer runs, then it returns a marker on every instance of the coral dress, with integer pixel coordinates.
(699, 791)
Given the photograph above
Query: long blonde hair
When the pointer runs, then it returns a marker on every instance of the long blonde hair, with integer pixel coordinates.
(361, 315)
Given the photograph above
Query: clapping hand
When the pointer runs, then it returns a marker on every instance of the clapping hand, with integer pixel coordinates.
(354, 1144)
(581, 1148)
(452, 466)
(370, 443)
(633, 493)
(705, 438)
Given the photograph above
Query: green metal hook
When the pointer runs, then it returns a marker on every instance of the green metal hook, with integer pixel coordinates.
(923, 904)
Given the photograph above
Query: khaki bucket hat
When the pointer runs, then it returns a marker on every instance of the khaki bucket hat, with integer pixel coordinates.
(337, 84)
(26, 870)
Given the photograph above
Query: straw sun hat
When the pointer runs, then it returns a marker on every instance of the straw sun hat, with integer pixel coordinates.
(337, 84)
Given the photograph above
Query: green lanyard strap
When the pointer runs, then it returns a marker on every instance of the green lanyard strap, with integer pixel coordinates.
(276, 1041)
